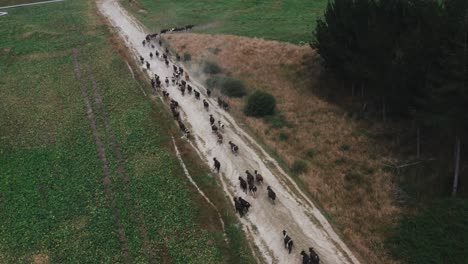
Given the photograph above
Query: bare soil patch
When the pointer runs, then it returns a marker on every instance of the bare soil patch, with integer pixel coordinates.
(40, 258)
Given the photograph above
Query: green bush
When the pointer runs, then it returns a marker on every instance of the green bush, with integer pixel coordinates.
(227, 85)
(215, 81)
(260, 104)
(311, 153)
(345, 147)
(438, 234)
(277, 121)
(211, 67)
(340, 161)
(283, 136)
(354, 177)
(187, 57)
(234, 88)
(299, 166)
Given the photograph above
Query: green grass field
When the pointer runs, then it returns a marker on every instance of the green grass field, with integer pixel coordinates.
(289, 21)
(53, 202)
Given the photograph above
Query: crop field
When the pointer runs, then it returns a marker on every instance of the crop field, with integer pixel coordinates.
(289, 21)
(87, 170)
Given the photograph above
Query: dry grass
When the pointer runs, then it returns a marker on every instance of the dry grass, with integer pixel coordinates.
(359, 206)
(40, 258)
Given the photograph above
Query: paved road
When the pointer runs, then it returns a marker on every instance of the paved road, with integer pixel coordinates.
(30, 4)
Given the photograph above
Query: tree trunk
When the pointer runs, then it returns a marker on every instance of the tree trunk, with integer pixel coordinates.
(418, 143)
(362, 90)
(384, 110)
(457, 166)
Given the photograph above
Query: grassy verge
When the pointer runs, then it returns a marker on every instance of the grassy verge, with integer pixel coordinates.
(53, 205)
(290, 21)
(437, 234)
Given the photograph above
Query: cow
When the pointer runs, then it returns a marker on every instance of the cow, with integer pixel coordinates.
(217, 164)
(271, 194)
(258, 177)
(243, 184)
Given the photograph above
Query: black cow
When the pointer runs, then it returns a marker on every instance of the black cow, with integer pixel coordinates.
(271, 194)
(258, 177)
(214, 129)
(212, 120)
(253, 189)
(243, 184)
(217, 164)
(305, 258)
(225, 106)
(314, 258)
(234, 147)
(245, 204)
(250, 177)
(286, 239)
(239, 207)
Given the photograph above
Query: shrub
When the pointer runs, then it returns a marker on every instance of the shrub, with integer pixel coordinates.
(277, 121)
(187, 57)
(211, 67)
(260, 104)
(299, 166)
(311, 153)
(232, 87)
(227, 85)
(215, 81)
(340, 161)
(283, 136)
(344, 147)
(354, 177)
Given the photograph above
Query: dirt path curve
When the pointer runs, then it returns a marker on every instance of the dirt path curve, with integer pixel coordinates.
(264, 223)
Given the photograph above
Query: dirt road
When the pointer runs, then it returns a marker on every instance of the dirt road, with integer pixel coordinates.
(293, 211)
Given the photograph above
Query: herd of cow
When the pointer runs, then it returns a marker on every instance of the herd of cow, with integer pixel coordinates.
(180, 79)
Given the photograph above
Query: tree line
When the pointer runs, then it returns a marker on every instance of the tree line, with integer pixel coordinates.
(409, 57)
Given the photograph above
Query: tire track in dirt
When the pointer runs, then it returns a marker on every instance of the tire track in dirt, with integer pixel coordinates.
(135, 214)
(106, 180)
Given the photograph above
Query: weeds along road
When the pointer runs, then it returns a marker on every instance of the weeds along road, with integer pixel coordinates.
(264, 223)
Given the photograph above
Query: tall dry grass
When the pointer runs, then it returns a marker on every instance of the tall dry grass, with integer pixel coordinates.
(361, 206)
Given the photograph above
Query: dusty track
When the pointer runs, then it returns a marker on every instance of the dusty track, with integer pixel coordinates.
(293, 210)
